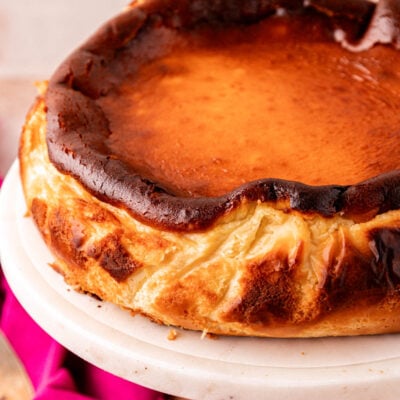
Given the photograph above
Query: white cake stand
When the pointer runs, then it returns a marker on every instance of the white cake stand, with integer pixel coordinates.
(366, 368)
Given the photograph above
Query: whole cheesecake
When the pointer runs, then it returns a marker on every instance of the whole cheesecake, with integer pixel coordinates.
(230, 167)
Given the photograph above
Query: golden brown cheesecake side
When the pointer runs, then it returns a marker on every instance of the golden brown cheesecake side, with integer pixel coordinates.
(154, 167)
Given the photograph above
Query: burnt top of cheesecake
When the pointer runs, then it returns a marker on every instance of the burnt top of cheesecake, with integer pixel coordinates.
(179, 113)
(274, 99)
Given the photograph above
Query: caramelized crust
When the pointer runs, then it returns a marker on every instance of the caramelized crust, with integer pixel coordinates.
(169, 234)
(85, 120)
(218, 82)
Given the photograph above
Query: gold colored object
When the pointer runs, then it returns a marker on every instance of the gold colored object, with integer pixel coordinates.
(14, 381)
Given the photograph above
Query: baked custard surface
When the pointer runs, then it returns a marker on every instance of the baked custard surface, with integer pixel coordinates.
(273, 99)
(232, 173)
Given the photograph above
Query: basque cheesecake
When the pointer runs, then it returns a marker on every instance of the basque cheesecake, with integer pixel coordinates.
(230, 167)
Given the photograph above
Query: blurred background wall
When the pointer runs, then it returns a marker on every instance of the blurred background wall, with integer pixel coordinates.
(35, 36)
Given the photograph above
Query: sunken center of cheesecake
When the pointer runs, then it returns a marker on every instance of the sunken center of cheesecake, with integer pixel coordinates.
(227, 106)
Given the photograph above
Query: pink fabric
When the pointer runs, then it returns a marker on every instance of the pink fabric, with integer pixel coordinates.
(57, 374)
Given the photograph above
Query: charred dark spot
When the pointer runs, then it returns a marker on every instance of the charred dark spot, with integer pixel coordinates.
(385, 245)
(67, 236)
(114, 258)
(359, 278)
(268, 294)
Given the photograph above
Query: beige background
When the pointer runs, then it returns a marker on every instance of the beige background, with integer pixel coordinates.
(35, 36)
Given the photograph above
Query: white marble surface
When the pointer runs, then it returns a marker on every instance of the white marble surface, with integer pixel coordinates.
(35, 36)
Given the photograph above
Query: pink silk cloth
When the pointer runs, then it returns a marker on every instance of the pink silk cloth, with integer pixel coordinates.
(55, 373)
